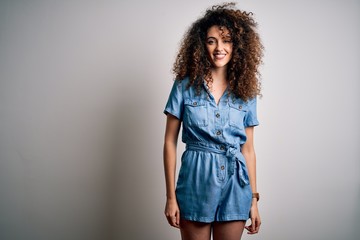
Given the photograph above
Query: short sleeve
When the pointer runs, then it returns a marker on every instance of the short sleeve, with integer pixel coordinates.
(251, 114)
(175, 103)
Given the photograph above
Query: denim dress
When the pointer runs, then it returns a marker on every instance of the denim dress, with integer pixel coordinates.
(213, 183)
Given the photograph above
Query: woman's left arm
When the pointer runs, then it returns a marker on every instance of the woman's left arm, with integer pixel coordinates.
(249, 153)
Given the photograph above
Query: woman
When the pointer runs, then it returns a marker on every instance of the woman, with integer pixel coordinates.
(214, 96)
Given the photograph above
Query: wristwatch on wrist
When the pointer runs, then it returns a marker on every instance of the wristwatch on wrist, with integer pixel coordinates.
(256, 195)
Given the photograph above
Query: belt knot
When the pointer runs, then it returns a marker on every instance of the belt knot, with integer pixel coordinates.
(236, 159)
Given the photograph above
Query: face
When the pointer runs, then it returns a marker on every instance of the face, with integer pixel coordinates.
(219, 46)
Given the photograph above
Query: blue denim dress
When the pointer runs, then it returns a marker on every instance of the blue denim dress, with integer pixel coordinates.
(213, 183)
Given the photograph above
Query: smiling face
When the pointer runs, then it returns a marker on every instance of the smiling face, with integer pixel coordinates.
(219, 46)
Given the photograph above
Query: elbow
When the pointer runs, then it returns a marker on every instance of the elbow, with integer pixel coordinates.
(169, 145)
(249, 155)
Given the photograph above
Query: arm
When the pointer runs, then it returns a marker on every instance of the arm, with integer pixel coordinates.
(250, 157)
(172, 211)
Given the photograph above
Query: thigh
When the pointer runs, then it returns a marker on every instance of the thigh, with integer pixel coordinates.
(231, 230)
(191, 230)
(198, 190)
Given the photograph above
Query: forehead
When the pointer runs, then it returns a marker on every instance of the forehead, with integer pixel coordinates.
(216, 31)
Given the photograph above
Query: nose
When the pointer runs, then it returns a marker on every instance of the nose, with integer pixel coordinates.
(219, 46)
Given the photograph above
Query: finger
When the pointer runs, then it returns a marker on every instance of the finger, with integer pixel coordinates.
(253, 223)
(177, 219)
(174, 222)
(258, 223)
(248, 228)
(254, 227)
(168, 218)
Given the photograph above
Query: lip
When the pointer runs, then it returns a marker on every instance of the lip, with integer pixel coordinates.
(219, 56)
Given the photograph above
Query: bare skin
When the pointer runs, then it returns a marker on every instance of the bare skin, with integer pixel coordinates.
(219, 50)
(250, 157)
(172, 211)
(202, 231)
(228, 230)
(195, 230)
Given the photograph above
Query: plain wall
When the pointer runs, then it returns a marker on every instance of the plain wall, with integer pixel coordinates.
(82, 88)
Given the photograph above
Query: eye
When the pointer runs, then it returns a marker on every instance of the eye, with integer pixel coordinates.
(210, 41)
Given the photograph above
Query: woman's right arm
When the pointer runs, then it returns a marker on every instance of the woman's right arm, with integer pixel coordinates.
(172, 211)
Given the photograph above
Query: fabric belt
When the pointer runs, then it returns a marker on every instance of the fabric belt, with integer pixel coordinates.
(232, 152)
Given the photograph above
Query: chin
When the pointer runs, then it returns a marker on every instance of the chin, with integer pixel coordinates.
(219, 65)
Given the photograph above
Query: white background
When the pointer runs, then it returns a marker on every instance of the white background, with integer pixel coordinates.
(82, 88)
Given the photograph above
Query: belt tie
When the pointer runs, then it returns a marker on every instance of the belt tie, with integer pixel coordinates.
(232, 152)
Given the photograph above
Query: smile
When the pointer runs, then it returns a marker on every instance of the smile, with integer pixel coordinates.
(219, 56)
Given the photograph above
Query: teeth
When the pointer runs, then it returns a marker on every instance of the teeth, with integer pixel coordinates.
(219, 56)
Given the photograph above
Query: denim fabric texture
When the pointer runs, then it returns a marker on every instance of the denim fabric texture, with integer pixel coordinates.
(213, 182)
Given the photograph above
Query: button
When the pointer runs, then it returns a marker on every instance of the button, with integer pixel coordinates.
(222, 148)
(222, 167)
(217, 115)
(194, 103)
(240, 107)
(218, 133)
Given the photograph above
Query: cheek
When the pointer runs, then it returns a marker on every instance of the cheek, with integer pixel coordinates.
(230, 49)
(209, 50)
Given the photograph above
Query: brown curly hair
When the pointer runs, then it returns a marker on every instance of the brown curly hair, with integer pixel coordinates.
(242, 71)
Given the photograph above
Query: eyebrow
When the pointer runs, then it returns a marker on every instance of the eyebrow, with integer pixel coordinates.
(227, 36)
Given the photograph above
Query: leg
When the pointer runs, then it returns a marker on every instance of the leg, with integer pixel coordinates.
(191, 230)
(231, 230)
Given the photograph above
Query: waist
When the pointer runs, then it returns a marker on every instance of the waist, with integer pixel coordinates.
(232, 152)
(219, 149)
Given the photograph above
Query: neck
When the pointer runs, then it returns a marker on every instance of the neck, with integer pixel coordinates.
(219, 74)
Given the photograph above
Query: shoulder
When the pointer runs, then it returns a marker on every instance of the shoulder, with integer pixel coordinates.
(183, 82)
(251, 101)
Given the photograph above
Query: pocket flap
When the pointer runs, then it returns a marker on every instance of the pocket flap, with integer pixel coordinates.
(194, 102)
(238, 106)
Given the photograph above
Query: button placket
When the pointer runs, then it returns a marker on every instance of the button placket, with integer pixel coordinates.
(221, 170)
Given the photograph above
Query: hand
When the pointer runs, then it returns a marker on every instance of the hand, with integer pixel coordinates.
(172, 213)
(255, 219)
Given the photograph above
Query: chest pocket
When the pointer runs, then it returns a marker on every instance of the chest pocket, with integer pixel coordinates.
(237, 112)
(195, 112)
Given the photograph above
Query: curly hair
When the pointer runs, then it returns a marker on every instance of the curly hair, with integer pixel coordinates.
(242, 72)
